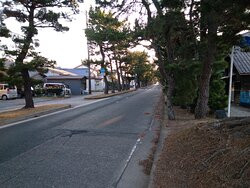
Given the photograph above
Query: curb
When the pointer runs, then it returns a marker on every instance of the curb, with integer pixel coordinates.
(36, 114)
(163, 135)
(108, 95)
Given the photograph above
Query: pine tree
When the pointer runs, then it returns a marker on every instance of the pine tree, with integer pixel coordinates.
(32, 15)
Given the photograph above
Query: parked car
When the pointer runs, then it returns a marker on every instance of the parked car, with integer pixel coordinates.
(7, 92)
(59, 89)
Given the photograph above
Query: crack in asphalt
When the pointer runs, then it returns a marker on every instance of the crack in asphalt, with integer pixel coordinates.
(70, 133)
(74, 132)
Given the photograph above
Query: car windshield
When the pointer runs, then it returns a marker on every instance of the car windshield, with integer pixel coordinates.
(8, 87)
(54, 86)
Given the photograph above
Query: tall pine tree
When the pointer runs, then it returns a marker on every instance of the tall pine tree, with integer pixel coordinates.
(32, 15)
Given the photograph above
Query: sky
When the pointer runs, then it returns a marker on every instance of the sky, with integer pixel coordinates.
(70, 47)
(67, 48)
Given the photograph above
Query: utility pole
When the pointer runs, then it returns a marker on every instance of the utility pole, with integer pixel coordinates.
(89, 75)
(230, 83)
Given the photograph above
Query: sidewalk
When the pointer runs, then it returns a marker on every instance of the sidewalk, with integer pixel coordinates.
(15, 104)
(239, 111)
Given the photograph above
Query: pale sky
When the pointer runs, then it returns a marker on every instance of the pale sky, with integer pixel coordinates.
(67, 48)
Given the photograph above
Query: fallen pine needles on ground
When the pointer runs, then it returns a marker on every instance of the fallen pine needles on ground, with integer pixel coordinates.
(206, 153)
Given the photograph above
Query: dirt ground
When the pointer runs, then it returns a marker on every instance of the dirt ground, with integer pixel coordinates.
(204, 153)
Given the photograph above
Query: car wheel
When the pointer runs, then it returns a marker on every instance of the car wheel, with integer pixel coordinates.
(4, 97)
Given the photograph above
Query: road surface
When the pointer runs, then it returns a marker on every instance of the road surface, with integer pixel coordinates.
(74, 100)
(82, 147)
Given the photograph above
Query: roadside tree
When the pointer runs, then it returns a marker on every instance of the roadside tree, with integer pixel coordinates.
(32, 16)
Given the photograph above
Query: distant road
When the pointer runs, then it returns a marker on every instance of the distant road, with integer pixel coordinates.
(82, 147)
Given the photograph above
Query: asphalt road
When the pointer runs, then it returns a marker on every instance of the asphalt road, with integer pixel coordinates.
(74, 100)
(82, 147)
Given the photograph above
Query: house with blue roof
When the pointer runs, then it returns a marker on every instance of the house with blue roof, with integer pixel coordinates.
(241, 73)
(75, 78)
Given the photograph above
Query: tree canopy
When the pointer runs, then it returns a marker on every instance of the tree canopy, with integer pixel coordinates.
(32, 15)
(187, 33)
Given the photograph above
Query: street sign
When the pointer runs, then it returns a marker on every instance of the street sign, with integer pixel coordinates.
(102, 70)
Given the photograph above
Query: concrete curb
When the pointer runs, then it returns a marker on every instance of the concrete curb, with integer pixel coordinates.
(108, 95)
(36, 114)
(163, 135)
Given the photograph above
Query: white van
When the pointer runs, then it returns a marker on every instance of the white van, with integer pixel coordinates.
(7, 92)
(57, 88)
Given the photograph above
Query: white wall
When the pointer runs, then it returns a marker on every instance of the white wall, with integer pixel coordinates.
(96, 85)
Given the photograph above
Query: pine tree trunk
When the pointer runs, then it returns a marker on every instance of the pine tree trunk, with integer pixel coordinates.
(138, 83)
(118, 76)
(106, 88)
(127, 82)
(170, 92)
(201, 109)
(20, 58)
(27, 90)
(120, 67)
(207, 57)
(112, 80)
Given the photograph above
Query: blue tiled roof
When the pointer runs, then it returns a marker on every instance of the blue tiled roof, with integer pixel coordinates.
(242, 61)
(79, 71)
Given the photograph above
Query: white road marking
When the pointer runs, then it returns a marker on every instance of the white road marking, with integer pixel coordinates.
(138, 141)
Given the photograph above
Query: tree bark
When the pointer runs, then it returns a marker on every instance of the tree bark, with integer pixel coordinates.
(170, 92)
(120, 67)
(106, 89)
(126, 81)
(207, 58)
(112, 80)
(29, 103)
(202, 108)
(118, 76)
(20, 58)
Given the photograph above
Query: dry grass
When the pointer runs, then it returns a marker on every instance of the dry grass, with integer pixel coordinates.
(21, 113)
(202, 154)
(108, 95)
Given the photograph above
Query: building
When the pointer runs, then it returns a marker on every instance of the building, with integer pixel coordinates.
(76, 79)
(241, 76)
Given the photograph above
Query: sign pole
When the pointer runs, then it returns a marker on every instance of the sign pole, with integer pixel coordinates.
(230, 84)
(89, 75)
